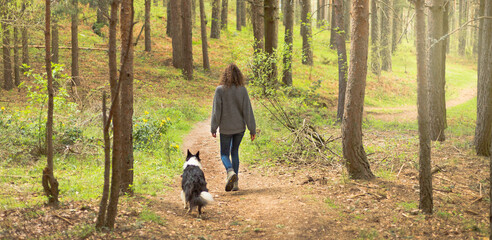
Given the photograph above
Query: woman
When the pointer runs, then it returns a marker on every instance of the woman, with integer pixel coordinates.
(230, 113)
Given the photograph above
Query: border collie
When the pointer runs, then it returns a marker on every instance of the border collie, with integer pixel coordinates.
(195, 192)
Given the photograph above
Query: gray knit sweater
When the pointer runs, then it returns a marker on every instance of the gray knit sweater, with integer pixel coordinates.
(232, 111)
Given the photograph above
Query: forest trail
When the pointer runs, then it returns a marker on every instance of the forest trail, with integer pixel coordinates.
(409, 113)
(269, 205)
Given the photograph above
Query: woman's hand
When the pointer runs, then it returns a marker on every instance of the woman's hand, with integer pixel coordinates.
(214, 135)
(253, 136)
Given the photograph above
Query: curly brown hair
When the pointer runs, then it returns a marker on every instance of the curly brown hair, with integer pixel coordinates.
(232, 76)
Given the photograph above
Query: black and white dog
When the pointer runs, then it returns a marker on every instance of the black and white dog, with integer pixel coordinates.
(195, 192)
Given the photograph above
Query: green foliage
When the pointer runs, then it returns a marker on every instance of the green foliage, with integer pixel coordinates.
(148, 131)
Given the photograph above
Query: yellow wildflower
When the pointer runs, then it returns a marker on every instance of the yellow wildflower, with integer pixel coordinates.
(168, 119)
(146, 113)
(3, 108)
(145, 120)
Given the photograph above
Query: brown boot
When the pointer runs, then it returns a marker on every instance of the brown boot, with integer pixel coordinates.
(236, 185)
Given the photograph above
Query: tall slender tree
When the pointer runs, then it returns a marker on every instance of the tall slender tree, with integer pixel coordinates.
(55, 40)
(342, 58)
(176, 33)
(353, 149)
(375, 54)
(75, 43)
(224, 14)
(271, 36)
(126, 100)
(346, 18)
(238, 15)
(307, 52)
(463, 17)
(243, 13)
(215, 29)
(16, 57)
(258, 25)
(7, 63)
(395, 33)
(289, 29)
(333, 33)
(25, 41)
(102, 12)
(425, 177)
(435, 72)
(187, 39)
(148, 42)
(386, 35)
(50, 184)
(483, 130)
(116, 110)
(203, 28)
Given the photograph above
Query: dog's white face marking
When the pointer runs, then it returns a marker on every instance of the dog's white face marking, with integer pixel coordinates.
(193, 161)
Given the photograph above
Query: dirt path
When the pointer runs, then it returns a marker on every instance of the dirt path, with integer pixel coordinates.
(409, 113)
(268, 205)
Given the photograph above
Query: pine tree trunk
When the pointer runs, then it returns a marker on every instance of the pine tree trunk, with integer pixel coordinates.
(483, 130)
(126, 78)
(463, 17)
(425, 177)
(436, 80)
(258, 25)
(115, 107)
(375, 54)
(16, 57)
(148, 42)
(203, 28)
(187, 40)
(353, 150)
(346, 18)
(224, 14)
(307, 53)
(333, 33)
(271, 36)
(25, 46)
(342, 58)
(395, 33)
(289, 30)
(386, 36)
(50, 184)
(238, 15)
(55, 43)
(243, 13)
(169, 20)
(177, 33)
(103, 205)
(215, 28)
(7, 64)
(75, 44)
(102, 11)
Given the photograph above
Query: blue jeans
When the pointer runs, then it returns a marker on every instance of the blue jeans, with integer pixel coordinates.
(229, 145)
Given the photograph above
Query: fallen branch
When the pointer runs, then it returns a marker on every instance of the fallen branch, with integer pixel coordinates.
(64, 219)
(67, 47)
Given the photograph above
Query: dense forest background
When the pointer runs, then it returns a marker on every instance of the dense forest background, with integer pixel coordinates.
(374, 117)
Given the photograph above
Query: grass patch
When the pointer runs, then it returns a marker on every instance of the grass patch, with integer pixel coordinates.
(148, 216)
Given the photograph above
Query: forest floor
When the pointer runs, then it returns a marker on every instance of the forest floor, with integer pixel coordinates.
(284, 202)
(409, 112)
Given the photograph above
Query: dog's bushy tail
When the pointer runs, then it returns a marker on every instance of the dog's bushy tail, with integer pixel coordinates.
(206, 198)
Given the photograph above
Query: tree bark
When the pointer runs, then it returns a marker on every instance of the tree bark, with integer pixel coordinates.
(7, 64)
(436, 80)
(483, 130)
(346, 18)
(425, 176)
(115, 107)
(169, 20)
(55, 43)
(203, 28)
(25, 40)
(258, 24)
(353, 149)
(238, 15)
(342, 58)
(187, 40)
(101, 216)
(271, 36)
(148, 42)
(16, 57)
(176, 33)
(215, 28)
(289, 30)
(50, 184)
(463, 17)
(75, 44)
(333, 33)
(243, 13)
(102, 11)
(224, 14)
(126, 78)
(395, 33)
(307, 53)
(375, 54)
(386, 36)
